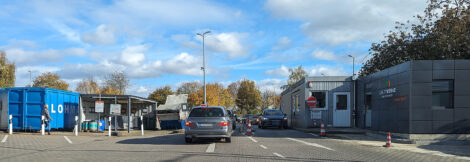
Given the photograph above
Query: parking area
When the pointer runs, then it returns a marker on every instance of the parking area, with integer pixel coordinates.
(271, 144)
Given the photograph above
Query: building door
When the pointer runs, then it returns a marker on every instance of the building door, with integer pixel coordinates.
(341, 109)
(368, 110)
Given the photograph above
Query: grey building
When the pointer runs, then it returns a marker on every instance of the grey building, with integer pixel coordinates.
(416, 97)
(334, 102)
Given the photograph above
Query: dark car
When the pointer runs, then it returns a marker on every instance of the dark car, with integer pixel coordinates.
(272, 118)
(234, 119)
(208, 122)
(247, 117)
(256, 119)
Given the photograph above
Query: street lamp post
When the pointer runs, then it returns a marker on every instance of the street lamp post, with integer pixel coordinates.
(30, 78)
(203, 68)
(354, 92)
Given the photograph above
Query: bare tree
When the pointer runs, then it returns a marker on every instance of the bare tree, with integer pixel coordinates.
(188, 88)
(117, 81)
(88, 86)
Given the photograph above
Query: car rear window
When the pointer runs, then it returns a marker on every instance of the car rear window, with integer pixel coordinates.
(272, 113)
(206, 112)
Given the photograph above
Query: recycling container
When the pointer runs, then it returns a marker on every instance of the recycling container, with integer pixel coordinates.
(93, 126)
(85, 125)
(25, 104)
(101, 125)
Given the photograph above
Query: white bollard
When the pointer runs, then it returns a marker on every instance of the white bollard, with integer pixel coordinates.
(42, 125)
(76, 126)
(10, 131)
(109, 127)
(142, 124)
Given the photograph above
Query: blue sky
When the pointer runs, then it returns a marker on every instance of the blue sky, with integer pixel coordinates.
(155, 42)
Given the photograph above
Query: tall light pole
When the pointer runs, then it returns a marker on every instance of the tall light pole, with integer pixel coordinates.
(353, 66)
(30, 78)
(354, 93)
(203, 68)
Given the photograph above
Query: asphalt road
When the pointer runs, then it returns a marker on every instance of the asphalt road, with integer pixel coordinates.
(264, 145)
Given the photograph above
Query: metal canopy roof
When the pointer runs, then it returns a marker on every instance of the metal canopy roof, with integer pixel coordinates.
(106, 97)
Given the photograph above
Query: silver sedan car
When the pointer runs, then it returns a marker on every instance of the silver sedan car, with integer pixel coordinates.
(208, 122)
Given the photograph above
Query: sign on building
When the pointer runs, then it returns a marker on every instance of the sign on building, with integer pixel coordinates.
(315, 114)
(312, 102)
(115, 109)
(99, 106)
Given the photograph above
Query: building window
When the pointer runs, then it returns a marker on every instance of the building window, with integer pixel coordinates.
(297, 103)
(293, 103)
(341, 102)
(442, 94)
(321, 99)
(368, 102)
(92, 110)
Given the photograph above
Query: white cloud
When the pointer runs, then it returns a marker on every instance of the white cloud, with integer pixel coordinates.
(176, 12)
(183, 64)
(22, 57)
(15, 43)
(142, 89)
(139, 90)
(283, 71)
(338, 21)
(133, 55)
(65, 30)
(103, 35)
(185, 41)
(74, 71)
(75, 51)
(271, 85)
(324, 55)
(230, 43)
(319, 70)
(23, 74)
(150, 70)
(283, 42)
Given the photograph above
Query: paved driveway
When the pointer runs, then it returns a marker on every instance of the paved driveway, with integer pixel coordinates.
(265, 145)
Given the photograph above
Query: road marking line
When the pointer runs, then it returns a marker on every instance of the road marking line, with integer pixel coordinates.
(314, 134)
(68, 140)
(4, 139)
(253, 139)
(279, 155)
(311, 144)
(211, 148)
(262, 146)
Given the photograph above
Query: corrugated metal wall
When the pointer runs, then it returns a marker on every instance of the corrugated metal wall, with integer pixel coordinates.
(302, 117)
(26, 105)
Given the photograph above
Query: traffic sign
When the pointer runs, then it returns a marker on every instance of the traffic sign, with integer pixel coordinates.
(115, 109)
(99, 106)
(312, 102)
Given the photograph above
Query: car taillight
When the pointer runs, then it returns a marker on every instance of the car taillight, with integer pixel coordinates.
(224, 123)
(189, 123)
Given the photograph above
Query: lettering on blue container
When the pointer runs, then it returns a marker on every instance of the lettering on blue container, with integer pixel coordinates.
(60, 108)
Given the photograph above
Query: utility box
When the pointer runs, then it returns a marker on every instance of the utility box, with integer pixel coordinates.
(25, 104)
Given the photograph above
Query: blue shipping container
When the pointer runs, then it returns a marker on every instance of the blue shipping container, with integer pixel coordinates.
(25, 104)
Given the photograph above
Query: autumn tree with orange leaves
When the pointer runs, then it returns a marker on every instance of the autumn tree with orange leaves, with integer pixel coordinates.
(216, 95)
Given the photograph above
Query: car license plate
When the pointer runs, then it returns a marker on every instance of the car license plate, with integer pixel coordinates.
(276, 122)
(205, 125)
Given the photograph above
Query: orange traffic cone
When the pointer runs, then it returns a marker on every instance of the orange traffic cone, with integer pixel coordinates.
(248, 130)
(322, 130)
(388, 143)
